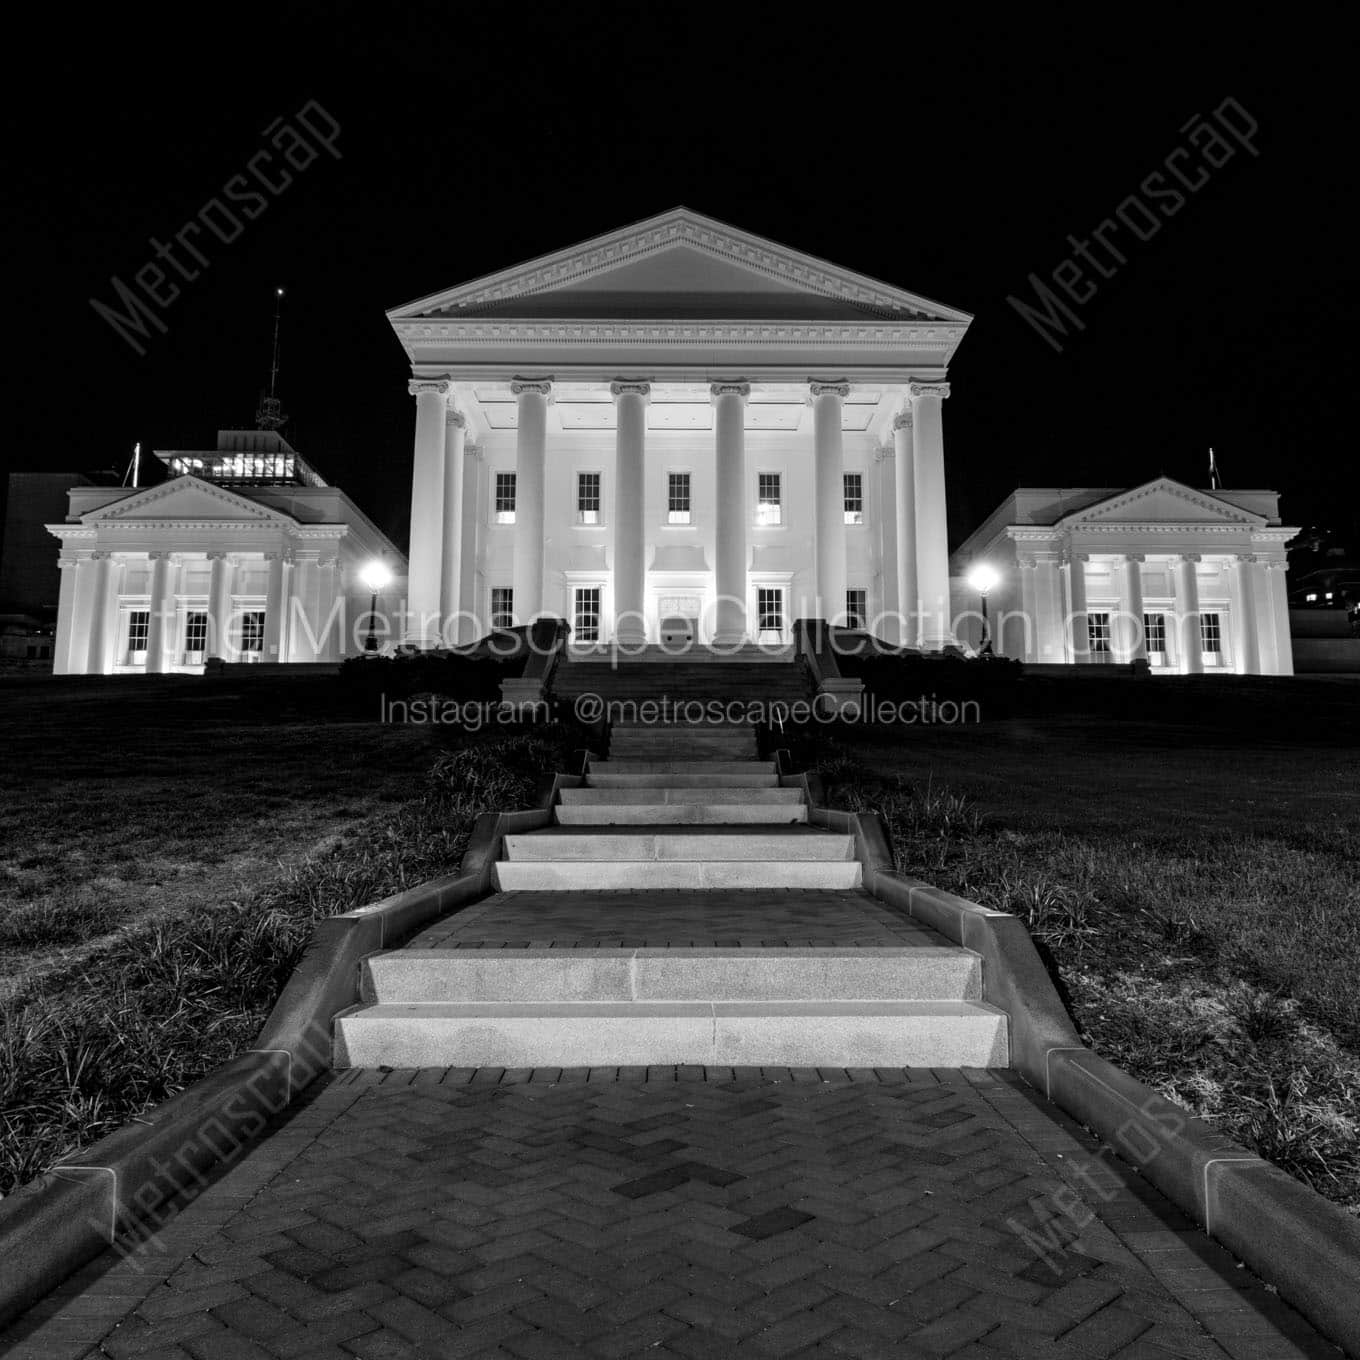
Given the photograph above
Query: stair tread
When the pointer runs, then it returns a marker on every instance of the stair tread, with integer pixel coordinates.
(456, 1010)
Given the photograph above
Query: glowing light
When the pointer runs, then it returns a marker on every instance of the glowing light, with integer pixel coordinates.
(983, 577)
(375, 576)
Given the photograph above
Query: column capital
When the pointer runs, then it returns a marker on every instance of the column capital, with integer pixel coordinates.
(453, 416)
(829, 389)
(736, 387)
(419, 386)
(471, 450)
(1246, 559)
(902, 420)
(917, 390)
(150, 557)
(1130, 558)
(541, 387)
(1026, 562)
(1189, 558)
(217, 555)
(1071, 558)
(630, 387)
(885, 453)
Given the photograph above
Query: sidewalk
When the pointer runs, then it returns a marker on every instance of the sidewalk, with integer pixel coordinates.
(672, 1212)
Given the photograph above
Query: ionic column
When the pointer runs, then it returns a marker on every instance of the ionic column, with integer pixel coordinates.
(1187, 614)
(1050, 643)
(101, 627)
(470, 601)
(1278, 613)
(450, 592)
(932, 529)
(63, 662)
(330, 609)
(630, 625)
(1132, 608)
(1080, 632)
(219, 606)
(884, 514)
(530, 450)
(274, 607)
(729, 548)
(427, 509)
(1248, 646)
(160, 625)
(1028, 569)
(908, 590)
(829, 483)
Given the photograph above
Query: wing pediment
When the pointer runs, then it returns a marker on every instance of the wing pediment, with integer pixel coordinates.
(1162, 501)
(185, 499)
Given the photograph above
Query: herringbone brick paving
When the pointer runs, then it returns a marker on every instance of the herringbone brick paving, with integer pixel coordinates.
(683, 918)
(672, 1213)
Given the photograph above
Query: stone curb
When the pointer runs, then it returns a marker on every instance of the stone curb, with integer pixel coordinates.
(123, 1185)
(1291, 1237)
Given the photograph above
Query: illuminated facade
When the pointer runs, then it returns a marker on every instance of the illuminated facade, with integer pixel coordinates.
(1188, 581)
(244, 554)
(678, 430)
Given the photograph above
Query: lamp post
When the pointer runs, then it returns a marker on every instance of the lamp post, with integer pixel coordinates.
(983, 578)
(376, 577)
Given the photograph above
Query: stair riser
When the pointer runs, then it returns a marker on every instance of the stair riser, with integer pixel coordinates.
(518, 977)
(552, 1041)
(679, 814)
(694, 767)
(601, 780)
(593, 797)
(679, 847)
(650, 875)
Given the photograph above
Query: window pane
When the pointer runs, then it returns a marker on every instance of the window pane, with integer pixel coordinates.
(854, 497)
(677, 498)
(588, 497)
(769, 499)
(1154, 629)
(856, 608)
(502, 607)
(139, 626)
(1210, 633)
(1098, 631)
(586, 615)
(252, 631)
(505, 498)
(770, 609)
(196, 631)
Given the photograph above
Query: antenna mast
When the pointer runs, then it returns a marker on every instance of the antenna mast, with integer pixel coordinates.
(270, 415)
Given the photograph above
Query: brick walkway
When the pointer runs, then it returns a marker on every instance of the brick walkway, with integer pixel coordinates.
(677, 919)
(669, 1213)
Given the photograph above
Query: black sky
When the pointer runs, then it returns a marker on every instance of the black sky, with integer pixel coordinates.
(951, 157)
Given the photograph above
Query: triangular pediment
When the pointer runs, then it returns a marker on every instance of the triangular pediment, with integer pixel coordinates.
(1162, 501)
(184, 499)
(684, 266)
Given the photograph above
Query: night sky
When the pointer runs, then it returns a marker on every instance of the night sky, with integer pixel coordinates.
(951, 158)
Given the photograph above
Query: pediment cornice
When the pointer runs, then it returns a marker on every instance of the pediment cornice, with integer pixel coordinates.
(1101, 517)
(133, 509)
(681, 227)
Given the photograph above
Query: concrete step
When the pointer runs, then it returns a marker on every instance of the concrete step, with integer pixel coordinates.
(655, 814)
(638, 1033)
(669, 767)
(647, 793)
(758, 777)
(652, 874)
(679, 846)
(524, 976)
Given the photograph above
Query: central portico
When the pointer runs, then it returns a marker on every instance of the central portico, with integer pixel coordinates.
(678, 430)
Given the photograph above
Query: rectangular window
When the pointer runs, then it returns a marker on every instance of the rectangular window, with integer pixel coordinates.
(769, 499)
(770, 613)
(677, 498)
(1210, 635)
(195, 636)
(587, 498)
(505, 498)
(586, 614)
(1098, 633)
(854, 498)
(1154, 630)
(856, 608)
(502, 607)
(252, 635)
(139, 628)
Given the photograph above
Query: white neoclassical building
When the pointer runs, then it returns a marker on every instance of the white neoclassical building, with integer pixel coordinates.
(678, 429)
(1190, 581)
(244, 553)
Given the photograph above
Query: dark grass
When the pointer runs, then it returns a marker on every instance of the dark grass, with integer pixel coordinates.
(1186, 855)
(333, 812)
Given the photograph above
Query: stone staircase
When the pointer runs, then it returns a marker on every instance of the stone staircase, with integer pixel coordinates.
(866, 1003)
(751, 673)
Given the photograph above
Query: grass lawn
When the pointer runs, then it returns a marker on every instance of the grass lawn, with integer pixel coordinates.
(121, 800)
(1187, 854)
(168, 846)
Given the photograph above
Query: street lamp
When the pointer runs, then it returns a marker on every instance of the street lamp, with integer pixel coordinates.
(983, 578)
(376, 577)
